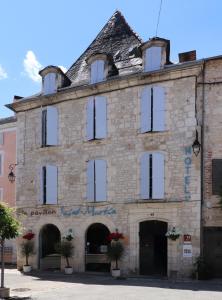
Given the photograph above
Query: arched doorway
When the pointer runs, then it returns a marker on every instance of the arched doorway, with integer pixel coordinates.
(153, 248)
(49, 236)
(96, 248)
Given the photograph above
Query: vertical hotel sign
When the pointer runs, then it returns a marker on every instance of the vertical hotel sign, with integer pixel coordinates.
(187, 174)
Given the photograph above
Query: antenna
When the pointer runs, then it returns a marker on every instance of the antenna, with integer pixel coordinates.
(158, 19)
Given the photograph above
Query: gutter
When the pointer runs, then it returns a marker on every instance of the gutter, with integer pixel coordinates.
(202, 185)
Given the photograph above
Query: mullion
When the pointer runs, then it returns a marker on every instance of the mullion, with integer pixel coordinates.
(150, 176)
(94, 119)
(151, 103)
(44, 185)
(94, 170)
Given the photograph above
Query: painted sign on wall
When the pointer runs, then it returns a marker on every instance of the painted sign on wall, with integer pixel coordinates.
(187, 175)
(87, 211)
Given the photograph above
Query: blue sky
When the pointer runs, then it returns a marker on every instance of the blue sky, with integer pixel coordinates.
(37, 33)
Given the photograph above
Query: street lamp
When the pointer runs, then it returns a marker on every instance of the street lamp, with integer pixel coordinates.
(11, 175)
(196, 145)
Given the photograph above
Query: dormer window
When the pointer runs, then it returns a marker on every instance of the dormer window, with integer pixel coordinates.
(53, 79)
(153, 58)
(97, 73)
(49, 84)
(156, 54)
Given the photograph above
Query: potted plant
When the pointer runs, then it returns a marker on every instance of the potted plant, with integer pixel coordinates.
(9, 229)
(115, 251)
(173, 234)
(27, 249)
(66, 249)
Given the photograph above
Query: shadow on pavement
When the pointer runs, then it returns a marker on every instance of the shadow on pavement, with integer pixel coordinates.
(106, 279)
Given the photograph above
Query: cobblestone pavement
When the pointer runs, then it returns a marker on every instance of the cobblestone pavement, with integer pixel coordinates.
(55, 285)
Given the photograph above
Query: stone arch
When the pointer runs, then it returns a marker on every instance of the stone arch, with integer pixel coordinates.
(153, 247)
(96, 243)
(49, 236)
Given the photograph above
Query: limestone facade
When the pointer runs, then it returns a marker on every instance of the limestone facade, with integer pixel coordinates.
(122, 149)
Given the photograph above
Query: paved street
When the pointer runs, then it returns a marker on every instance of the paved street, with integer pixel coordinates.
(38, 286)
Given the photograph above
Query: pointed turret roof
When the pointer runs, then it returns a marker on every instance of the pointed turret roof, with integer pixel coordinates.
(116, 39)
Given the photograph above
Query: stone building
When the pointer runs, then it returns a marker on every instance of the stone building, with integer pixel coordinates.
(8, 159)
(211, 91)
(108, 146)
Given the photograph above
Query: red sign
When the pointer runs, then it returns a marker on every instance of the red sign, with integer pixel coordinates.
(187, 238)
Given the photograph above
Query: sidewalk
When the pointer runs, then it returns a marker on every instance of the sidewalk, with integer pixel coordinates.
(55, 285)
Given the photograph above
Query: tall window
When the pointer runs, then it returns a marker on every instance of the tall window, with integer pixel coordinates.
(49, 126)
(96, 118)
(152, 175)
(152, 108)
(49, 183)
(97, 71)
(152, 59)
(1, 194)
(96, 180)
(49, 83)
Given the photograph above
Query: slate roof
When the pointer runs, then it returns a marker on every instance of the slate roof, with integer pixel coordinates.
(117, 40)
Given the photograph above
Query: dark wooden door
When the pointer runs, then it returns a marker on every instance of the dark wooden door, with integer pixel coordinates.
(213, 249)
(153, 248)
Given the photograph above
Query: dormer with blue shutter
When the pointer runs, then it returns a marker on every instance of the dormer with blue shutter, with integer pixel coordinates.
(155, 54)
(100, 67)
(53, 79)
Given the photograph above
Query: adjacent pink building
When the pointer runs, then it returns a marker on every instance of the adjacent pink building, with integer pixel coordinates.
(7, 188)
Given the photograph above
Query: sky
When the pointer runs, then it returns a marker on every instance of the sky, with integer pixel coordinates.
(37, 33)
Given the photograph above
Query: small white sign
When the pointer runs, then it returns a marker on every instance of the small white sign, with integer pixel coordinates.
(187, 250)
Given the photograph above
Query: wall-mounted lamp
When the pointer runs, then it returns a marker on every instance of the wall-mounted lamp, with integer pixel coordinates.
(11, 175)
(196, 145)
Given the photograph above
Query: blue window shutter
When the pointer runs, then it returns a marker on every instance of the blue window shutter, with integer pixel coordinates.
(158, 108)
(90, 180)
(144, 176)
(90, 119)
(51, 184)
(145, 108)
(100, 70)
(153, 58)
(158, 175)
(49, 85)
(101, 126)
(52, 126)
(93, 75)
(100, 170)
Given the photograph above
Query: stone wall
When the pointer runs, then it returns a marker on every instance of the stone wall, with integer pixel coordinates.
(122, 150)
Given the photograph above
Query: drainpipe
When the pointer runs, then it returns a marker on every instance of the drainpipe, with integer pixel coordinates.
(202, 185)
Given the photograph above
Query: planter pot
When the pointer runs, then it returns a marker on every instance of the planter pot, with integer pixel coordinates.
(27, 269)
(4, 293)
(173, 237)
(115, 273)
(69, 271)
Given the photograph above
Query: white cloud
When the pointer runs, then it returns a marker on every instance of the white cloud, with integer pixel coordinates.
(3, 74)
(63, 69)
(32, 66)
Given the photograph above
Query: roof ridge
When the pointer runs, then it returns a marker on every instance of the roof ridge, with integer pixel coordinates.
(118, 12)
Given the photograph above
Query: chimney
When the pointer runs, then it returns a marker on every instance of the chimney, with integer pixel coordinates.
(187, 56)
